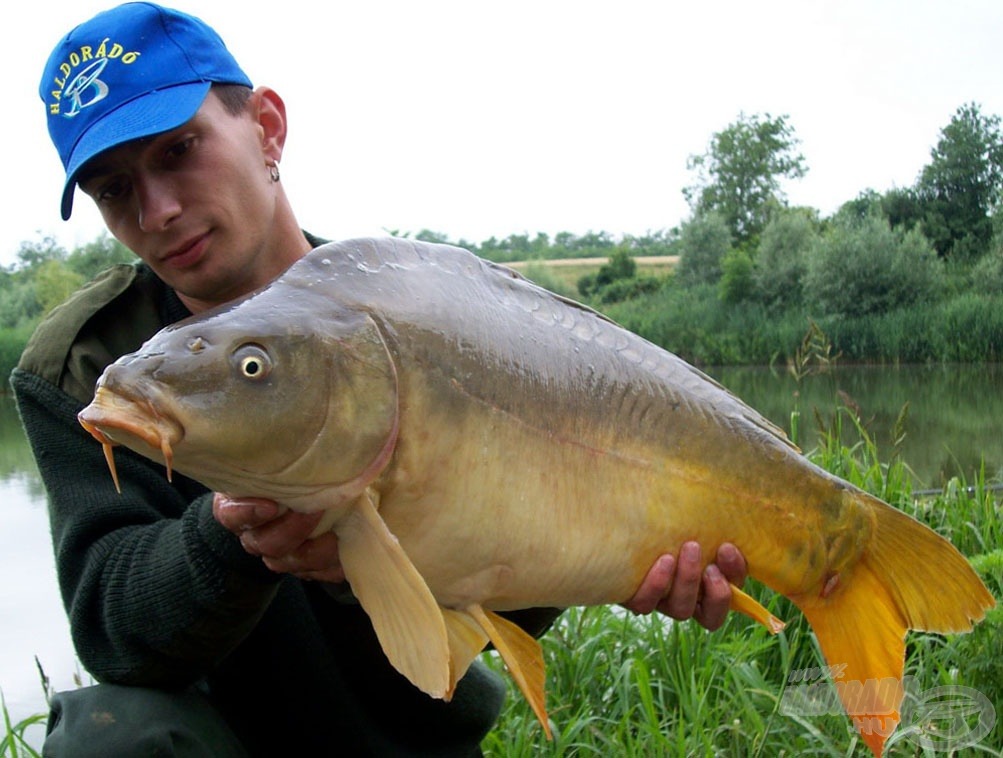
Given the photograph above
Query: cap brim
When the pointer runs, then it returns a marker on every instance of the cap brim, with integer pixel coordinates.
(153, 113)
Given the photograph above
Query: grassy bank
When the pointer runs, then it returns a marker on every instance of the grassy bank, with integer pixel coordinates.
(693, 323)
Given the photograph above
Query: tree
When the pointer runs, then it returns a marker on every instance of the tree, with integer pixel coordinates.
(962, 184)
(94, 257)
(54, 282)
(33, 254)
(741, 172)
(704, 241)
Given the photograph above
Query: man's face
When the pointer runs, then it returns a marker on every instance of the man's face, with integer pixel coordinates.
(195, 203)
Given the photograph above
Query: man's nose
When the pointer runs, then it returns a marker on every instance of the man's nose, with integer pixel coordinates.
(158, 203)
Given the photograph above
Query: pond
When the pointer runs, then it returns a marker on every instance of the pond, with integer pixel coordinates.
(955, 423)
(954, 420)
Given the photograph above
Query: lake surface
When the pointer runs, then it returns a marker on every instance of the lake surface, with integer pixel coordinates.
(955, 423)
(955, 413)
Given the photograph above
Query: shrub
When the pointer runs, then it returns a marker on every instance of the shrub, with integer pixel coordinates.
(704, 241)
(782, 258)
(866, 267)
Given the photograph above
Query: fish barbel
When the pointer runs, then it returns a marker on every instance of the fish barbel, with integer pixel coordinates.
(479, 444)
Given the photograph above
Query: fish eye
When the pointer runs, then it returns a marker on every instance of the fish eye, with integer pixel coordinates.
(252, 361)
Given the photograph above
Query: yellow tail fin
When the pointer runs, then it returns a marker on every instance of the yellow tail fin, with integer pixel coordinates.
(909, 577)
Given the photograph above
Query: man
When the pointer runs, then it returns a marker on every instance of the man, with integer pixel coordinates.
(211, 623)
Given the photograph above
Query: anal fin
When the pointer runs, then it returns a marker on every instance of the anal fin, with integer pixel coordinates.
(522, 655)
(407, 619)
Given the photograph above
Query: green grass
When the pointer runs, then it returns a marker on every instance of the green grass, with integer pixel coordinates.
(631, 686)
(13, 742)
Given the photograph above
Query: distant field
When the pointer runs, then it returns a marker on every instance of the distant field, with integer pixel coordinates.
(570, 270)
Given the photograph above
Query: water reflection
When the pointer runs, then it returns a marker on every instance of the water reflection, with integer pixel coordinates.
(34, 624)
(955, 415)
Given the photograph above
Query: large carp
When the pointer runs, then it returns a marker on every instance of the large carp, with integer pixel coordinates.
(480, 444)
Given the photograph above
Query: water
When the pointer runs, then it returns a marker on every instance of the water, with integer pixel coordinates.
(955, 412)
(955, 422)
(33, 622)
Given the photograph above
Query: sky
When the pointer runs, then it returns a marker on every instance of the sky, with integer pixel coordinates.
(479, 119)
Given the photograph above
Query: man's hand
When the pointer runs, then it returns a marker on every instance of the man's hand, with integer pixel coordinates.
(678, 589)
(281, 537)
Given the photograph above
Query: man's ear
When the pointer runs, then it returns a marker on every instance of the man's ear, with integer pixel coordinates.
(270, 112)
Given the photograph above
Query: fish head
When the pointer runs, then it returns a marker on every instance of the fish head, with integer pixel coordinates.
(262, 399)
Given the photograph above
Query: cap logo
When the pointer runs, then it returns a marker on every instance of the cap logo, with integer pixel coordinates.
(85, 88)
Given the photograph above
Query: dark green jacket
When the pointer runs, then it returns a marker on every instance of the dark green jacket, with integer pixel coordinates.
(159, 594)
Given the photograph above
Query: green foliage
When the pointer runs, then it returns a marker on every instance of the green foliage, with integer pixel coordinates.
(987, 275)
(54, 282)
(962, 184)
(740, 173)
(861, 267)
(616, 280)
(736, 283)
(620, 266)
(94, 257)
(781, 260)
(704, 241)
(13, 742)
(12, 342)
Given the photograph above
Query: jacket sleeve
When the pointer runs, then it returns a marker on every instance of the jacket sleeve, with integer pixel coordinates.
(157, 592)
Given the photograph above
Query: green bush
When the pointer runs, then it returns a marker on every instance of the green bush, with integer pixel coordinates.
(862, 267)
(781, 259)
(12, 342)
(704, 241)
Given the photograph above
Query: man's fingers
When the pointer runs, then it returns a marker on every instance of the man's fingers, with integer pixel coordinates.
(316, 558)
(715, 599)
(654, 586)
(681, 601)
(732, 564)
(240, 514)
(282, 535)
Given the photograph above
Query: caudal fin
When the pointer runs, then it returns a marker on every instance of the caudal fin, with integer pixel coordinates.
(909, 577)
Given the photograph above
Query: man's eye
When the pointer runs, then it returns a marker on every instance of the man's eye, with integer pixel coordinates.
(178, 149)
(110, 191)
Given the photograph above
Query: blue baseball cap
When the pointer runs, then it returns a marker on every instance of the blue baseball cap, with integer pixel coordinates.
(130, 72)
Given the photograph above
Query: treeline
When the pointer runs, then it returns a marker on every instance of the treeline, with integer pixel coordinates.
(563, 245)
(912, 274)
(43, 275)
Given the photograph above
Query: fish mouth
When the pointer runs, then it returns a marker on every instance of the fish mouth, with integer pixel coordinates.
(116, 419)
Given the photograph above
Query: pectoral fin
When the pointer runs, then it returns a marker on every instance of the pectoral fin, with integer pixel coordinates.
(523, 656)
(407, 619)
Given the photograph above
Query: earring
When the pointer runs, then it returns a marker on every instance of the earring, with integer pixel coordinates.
(273, 172)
